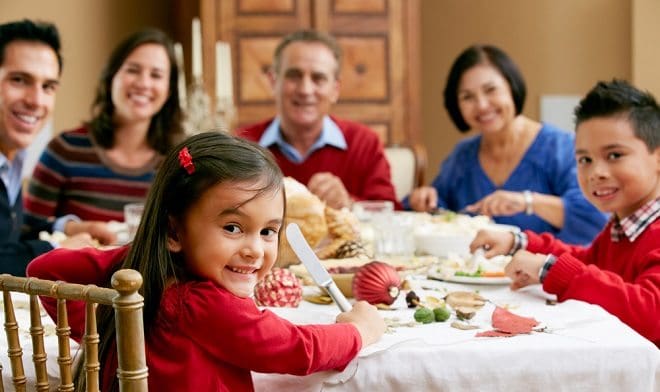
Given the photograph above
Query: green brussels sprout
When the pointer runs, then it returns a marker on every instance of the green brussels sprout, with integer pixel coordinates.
(441, 314)
(424, 315)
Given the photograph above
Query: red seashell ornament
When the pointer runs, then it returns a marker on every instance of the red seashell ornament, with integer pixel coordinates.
(280, 288)
(376, 283)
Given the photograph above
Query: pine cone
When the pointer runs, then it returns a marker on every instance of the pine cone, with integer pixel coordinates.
(341, 249)
(350, 249)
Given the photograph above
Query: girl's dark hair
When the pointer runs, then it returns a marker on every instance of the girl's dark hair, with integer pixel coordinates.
(482, 54)
(217, 158)
(165, 128)
(620, 98)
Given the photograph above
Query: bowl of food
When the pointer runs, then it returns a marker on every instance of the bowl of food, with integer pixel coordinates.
(441, 243)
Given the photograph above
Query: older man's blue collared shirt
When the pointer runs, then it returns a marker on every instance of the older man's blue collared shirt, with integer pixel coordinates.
(10, 172)
(331, 135)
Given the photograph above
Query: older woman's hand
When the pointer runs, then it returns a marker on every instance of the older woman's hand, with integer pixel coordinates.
(499, 203)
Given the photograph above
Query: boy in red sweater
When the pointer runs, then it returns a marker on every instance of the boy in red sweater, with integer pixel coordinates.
(617, 147)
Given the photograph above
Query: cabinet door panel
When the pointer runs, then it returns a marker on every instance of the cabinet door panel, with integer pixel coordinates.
(255, 56)
(266, 6)
(362, 6)
(364, 75)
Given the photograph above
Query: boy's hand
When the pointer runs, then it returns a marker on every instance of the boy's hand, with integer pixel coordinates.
(367, 320)
(494, 242)
(524, 268)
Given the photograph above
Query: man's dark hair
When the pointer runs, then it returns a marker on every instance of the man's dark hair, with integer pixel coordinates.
(27, 30)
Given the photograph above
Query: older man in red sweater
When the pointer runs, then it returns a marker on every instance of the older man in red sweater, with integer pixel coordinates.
(340, 161)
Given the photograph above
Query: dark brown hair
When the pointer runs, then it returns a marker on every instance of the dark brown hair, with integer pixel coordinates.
(482, 54)
(27, 30)
(620, 98)
(165, 128)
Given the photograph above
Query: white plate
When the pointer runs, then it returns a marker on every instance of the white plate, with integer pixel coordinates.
(499, 280)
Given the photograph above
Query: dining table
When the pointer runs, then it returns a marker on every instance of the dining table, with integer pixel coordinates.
(576, 346)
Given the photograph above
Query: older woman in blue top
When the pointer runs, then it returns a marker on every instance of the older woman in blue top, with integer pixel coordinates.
(517, 170)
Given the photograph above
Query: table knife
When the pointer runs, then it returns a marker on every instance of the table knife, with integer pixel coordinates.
(309, 259)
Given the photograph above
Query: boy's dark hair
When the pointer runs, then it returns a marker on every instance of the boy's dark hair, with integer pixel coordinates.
(482, 54)
(620, 98)
(27, 30)
(217, 158)
(165, 128)
(309, 36)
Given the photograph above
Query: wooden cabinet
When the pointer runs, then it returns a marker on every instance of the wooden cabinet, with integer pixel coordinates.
(380, 70)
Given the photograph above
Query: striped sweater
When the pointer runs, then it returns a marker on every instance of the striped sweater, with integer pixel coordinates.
(75, 176)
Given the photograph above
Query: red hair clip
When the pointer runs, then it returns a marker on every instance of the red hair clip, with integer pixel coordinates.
(185, 159)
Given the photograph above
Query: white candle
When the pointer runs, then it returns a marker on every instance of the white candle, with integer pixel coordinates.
(178, 53)
(196, 49)
(223, 74)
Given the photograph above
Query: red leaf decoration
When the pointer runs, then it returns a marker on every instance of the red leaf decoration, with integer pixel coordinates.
(507, 324)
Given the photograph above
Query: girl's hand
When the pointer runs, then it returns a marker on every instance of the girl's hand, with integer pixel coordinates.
(499, 203)
(524, 268)
(423, 199)
(494, 242)
(367, 320)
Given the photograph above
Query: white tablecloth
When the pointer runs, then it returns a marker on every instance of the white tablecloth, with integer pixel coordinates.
(586, 349)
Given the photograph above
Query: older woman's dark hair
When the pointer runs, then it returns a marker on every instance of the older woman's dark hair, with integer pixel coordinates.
(620, 98)
(482, 54)
(165, 128)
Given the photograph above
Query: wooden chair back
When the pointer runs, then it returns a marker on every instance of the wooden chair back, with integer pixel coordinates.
(127, 303)
(407, 167)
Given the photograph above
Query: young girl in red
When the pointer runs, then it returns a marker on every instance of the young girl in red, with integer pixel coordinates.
(209, 233)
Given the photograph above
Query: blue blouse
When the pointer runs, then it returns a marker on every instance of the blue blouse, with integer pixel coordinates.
(548, 167)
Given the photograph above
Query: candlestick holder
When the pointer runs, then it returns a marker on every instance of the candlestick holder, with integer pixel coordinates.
(225, 113)
(199, 116)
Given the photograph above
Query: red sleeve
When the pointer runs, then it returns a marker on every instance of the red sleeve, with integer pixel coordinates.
(548, 244)
(243, 335)
(82, 266)
(635, 303)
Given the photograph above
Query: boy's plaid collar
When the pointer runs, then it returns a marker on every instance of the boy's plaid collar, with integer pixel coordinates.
(634, 225)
